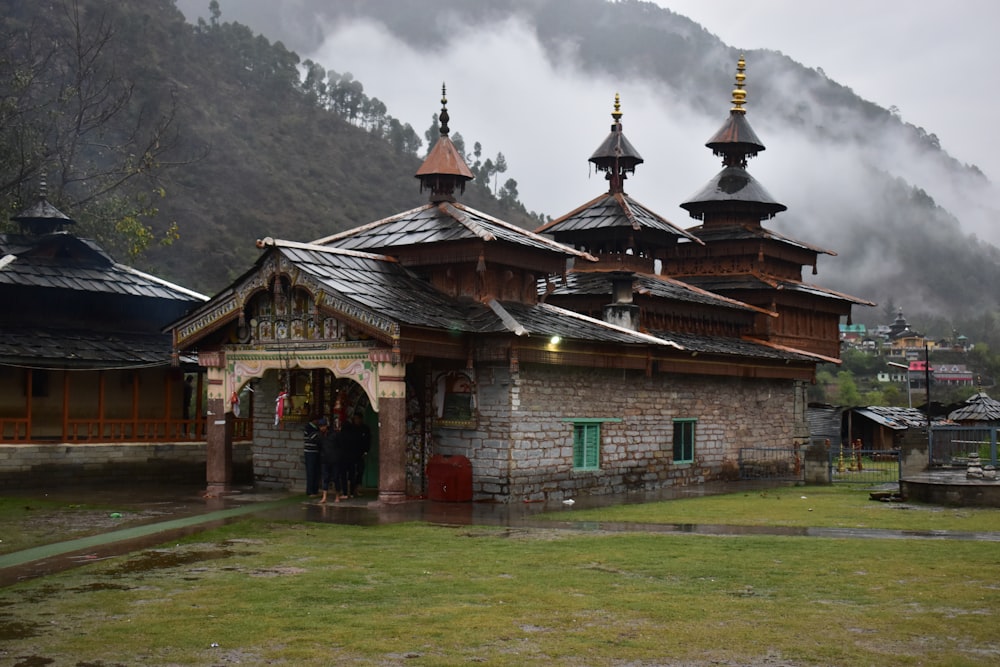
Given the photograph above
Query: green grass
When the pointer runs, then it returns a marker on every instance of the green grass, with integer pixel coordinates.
(817, 506)
(291, 593)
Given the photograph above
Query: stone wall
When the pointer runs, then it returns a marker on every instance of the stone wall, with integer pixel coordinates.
(522, 447)
(41, 466)
(277, 450)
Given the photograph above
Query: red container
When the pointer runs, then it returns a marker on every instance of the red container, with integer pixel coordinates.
(449, 478)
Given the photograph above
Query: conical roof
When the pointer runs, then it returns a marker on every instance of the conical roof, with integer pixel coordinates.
(733, 191)
(42, 217)
(736, 141)
(444, 170)
(977, 408)
(733, 188)
(616, 155)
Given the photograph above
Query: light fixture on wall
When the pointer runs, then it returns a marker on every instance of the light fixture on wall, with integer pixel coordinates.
(555, 340)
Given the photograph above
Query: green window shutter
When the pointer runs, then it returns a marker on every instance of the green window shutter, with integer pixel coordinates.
(684, 440)
(586, 446)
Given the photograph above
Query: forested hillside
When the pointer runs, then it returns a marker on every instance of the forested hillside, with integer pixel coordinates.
(214, 139)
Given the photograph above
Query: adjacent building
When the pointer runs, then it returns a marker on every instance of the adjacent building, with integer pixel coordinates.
(84, 358)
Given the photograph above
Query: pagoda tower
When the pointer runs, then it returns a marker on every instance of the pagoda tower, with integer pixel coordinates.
(742, 259)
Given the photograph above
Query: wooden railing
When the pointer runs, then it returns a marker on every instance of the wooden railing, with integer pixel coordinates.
(13, 429)
(121, 430)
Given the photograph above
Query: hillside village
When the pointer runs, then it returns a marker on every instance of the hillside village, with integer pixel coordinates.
(898, 362)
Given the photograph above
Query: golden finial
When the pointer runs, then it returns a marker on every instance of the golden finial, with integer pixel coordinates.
(617, 113)
(740, 95)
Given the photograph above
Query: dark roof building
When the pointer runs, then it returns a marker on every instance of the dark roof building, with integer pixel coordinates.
(73, 320)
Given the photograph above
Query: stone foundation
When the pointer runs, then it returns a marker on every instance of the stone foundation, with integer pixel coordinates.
(42, 465)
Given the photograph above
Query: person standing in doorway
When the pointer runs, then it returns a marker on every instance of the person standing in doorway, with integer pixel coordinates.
(314, 432)
(357, 444)
(334, 466)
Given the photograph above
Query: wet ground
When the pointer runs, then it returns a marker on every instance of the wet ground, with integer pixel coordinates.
(136, 518)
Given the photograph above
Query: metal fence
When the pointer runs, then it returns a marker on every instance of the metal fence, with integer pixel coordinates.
(770, 463)
(864, 466)
(951, 445)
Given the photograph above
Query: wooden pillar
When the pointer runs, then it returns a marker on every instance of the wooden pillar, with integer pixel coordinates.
(391, 427)
(135, 405)
(219, 435)
(65, 407)
(219, 448)
(101, 386)
(29, 390)
(392, 449)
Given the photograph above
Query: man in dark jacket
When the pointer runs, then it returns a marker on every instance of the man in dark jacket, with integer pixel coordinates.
(312, 434)
(334, 465)
(357, 441)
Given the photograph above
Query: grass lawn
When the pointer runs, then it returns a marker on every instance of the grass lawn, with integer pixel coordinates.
(259, 592)
(819, 506)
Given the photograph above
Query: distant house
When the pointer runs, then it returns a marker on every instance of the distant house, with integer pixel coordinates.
(953, 375)
(881, 427)
(904, 341)
(853, 333)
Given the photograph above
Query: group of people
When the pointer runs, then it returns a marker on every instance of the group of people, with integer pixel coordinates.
(335, 459)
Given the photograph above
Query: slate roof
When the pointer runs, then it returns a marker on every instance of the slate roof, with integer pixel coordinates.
(741, 232)
(546, 320)
(756, 282)
(377, 283)
(743, 347)
(734, 184)
(84, 348)
(977, 408)
(438, 223)
(63, 261)
(598, 283)
(611, 210)
(895, 418)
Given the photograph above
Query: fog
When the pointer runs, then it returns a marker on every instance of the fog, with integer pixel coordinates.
(547, 118)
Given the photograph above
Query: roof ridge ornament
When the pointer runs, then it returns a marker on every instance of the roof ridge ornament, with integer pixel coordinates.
(739, 93)
(444, 117)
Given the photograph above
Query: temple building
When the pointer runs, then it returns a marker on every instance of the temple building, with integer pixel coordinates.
(84, 360)
(740, 258)
(555, 363)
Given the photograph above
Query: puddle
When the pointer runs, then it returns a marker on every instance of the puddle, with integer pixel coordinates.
(11, 629)
(148, 561)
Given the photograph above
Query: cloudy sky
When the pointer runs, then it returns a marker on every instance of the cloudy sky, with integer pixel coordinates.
(931, 60)
(934, 60)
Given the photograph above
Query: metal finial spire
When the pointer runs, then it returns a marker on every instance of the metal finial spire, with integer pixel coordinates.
(443, 118)
(617, 113)
(740, 95)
